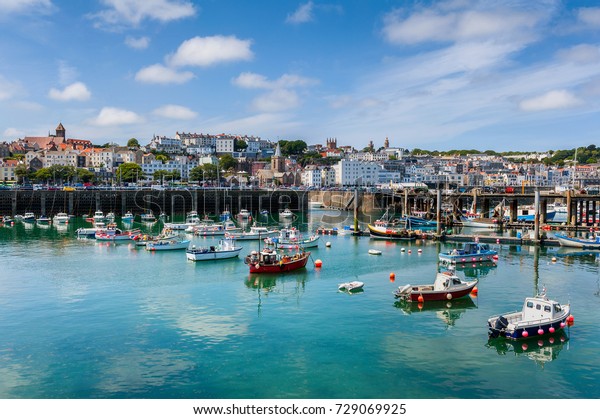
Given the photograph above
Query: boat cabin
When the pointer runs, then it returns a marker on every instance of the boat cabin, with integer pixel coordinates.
(474, 248)
(446, 280)
(538, 308)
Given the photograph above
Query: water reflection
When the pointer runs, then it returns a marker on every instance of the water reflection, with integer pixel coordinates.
(447, 311)
(476, 270)
(541, 350)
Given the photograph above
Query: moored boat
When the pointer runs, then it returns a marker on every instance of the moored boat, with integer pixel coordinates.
(148, 217)
(352, 286)
(224, 250)
(255, 233)
(167, 244)
(538, 316)
(61, 218)
(447, 286)
(286, 213)
(290, 238)
(391, 233)
(28, 217)
(114, 234)
(470, 252)
(98, 217)
(581, 243)
(269, 261)
(128, 217)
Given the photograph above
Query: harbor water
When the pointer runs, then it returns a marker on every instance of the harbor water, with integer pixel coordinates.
(87, 319)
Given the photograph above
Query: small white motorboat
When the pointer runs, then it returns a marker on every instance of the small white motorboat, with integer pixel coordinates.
(374, 252)
(352, 286)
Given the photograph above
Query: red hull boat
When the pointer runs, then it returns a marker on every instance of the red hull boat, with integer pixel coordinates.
(269, 261)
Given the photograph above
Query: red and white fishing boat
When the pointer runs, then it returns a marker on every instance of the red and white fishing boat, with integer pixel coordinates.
(112, 233)
(269, 261)
(447, 286)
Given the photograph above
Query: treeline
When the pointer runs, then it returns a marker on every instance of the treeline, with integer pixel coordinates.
(582, 155)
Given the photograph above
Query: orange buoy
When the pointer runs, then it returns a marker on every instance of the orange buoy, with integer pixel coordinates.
(318, 263)
(392, 276)
(420, 299)
(474, 291)
(570, 319)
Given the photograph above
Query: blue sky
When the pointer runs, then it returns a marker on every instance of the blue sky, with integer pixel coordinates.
(505, 76)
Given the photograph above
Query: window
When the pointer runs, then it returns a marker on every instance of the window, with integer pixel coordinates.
(538, 306)
(547, 309)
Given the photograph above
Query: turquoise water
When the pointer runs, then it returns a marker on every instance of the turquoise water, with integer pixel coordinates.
(81, 319)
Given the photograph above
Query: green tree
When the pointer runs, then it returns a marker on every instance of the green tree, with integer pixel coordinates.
(84, 175)
(289, 148)
(129, 172)
(133, 143)
(206, 171)
(161, 175)
(240, 145)
(227, 162)
(43, 175)
(21, 172)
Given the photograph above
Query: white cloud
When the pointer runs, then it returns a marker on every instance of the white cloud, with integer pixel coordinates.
(133, 12)
(556, 99)
(257, 81)
(114, 116)
(303, 14)
(203, 52)
(75, 91)
(13, 133)
(276, 101)
(580, 54)
(160, 74)
(137, 43)
(66, 74)
(433, 25)
(7, 89)
(589, 15)
(175, 112)
(17, 6)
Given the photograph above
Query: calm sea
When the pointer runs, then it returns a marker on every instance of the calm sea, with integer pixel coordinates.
(83, 319)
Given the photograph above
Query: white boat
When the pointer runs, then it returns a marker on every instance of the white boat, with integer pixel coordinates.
(191, 220)
(224, 250)
(255, 233)
(89, 232)
(167, 244)
(29, 217)
(286, 213)
(43, 220)
(7, 220)
(352, 286)
(99, 217)
(61, 218)
(291, 238)
(538, 316)
(128, 217)
(114, 234)
(481, 222)
(244, 215)
(374, 252)
(148, 217)
(582, 243)
(110, 217)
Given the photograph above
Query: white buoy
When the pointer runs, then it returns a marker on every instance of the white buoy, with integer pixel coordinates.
(402, 250)
(328, 244)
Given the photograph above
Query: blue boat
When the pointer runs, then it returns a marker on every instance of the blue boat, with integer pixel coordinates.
(470, 252)
(581, 243)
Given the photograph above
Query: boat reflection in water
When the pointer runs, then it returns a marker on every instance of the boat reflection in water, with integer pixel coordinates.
(476, 270)
(542, 350)
(447, 311)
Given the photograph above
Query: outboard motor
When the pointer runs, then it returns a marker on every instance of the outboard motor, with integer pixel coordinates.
(499, 326)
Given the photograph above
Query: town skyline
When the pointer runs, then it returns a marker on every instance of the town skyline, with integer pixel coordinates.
(437, 75)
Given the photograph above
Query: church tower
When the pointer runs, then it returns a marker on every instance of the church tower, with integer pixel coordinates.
(278, 161)
(386, 143)
(61, 132)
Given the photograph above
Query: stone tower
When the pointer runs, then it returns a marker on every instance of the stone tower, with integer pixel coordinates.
(278, 161)
(61, 132)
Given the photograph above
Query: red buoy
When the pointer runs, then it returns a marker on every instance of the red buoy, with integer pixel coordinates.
(551, 330)
(474, 291)
(540, 331)
(420, 299)
(318, 263)
(525, 333)
(392, 276)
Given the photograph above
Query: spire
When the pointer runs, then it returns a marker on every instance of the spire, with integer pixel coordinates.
(277, 151)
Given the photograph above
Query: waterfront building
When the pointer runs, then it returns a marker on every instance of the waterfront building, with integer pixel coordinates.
(353, 172)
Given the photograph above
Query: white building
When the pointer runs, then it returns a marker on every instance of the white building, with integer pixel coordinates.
(311, 176)
(225, 144)
(356, 173)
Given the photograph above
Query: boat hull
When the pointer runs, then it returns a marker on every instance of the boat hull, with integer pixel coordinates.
(280, 267)
(578, 243)
(171, 246)
(198, 255)
(390, 233)
(530, 329)
(440, 295)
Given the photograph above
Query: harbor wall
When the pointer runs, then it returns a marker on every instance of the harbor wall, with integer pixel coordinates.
(170, 202)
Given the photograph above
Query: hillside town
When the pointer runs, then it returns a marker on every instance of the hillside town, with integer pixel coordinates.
(243, 161)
